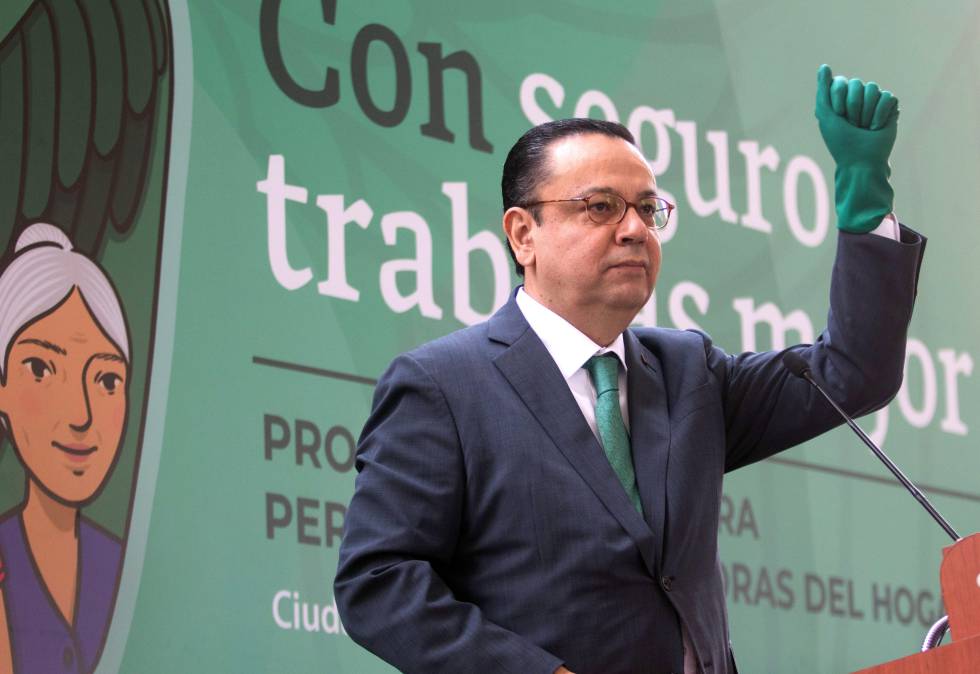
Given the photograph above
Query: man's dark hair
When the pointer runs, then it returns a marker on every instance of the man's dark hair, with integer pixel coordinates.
(526, 164)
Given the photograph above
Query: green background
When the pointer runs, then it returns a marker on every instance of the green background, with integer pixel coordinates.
(200, 572)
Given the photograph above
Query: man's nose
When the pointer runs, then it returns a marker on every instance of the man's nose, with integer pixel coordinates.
(632, 228)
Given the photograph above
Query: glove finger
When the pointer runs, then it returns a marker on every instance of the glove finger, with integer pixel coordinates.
(838, 95)
(871, 95)
(893, 118)
(824, 76)
(883, 111)
(855, 101)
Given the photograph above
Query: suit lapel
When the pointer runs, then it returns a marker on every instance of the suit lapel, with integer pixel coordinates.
(649, 432)
(532, 372)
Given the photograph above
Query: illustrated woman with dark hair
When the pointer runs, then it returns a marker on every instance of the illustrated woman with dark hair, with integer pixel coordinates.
(63, 405)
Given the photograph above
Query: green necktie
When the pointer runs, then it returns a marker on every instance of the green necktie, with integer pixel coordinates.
(604, 372)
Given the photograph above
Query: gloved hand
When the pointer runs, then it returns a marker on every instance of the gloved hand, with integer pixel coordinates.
(858, 123)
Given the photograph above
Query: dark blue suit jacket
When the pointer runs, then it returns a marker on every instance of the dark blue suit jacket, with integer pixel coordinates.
(488, 533)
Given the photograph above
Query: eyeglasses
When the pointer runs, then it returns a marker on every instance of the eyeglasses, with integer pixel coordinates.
(604, 208)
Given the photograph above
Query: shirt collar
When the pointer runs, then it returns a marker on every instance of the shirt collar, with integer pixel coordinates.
(568, 346)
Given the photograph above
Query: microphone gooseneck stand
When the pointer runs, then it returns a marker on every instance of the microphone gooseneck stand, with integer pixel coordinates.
(798, 366)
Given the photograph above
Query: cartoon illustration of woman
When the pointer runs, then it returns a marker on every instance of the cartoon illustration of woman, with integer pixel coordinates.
(63, 405)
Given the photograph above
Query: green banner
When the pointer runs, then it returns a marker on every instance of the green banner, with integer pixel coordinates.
(282, 196)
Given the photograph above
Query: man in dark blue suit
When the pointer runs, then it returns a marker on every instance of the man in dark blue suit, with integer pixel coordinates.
(540, 493)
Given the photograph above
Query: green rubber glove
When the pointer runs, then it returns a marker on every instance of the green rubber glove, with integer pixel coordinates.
(858, 123)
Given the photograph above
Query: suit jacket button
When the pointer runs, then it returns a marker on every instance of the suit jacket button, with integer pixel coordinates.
(666, 582)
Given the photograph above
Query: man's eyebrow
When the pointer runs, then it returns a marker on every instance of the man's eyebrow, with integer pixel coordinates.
(610, 190)
(110, 357)
(593, 189)
(45, 345)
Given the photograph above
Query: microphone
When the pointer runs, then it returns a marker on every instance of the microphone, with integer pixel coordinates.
(798, 366)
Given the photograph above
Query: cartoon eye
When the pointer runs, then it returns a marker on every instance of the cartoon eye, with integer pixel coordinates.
(38, 368)
(110, 381)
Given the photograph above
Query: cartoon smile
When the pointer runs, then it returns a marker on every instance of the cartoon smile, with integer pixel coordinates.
(75, 451)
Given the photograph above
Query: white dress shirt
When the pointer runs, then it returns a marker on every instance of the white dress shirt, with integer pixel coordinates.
(570, 349)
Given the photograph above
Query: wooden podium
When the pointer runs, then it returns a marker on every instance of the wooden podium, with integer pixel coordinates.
(959, 576)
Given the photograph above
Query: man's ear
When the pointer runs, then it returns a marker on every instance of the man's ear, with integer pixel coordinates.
(519, 227)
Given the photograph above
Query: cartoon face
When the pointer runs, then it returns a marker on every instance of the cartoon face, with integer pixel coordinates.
(65, 400)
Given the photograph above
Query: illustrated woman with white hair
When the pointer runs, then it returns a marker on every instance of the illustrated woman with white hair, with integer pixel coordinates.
(63, 405)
